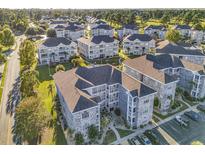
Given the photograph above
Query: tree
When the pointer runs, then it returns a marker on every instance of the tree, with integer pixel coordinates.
(198, 26)
(59, 67)
(197, 143)
(31, 31)
(51, 33)
(79, 140)
(29, 83)
(165, 19)
(27, 54)
(156, 102)
(104, 121)
(92, 132)
(31, 119)
(7, 37)
(173, 36)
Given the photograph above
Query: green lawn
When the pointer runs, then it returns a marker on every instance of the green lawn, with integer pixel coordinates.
(54, 135)
(113, 61)
(183, 107)
(192, 103)
(123, 132)
(46, 72)
(3, 80)
(109, 137)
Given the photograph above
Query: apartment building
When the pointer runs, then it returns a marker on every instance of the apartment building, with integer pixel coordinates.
(92, 89)
(102, 46)
(144, 70)
(102, 29)
(184, 30)
(157, 32)
(128, 29)
(193, 55)
(138, 44)
(55, 50)
(191, 76)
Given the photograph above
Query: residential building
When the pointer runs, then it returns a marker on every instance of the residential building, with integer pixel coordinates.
(138, 44)
(55, 50)
(184, 30)
(85, 91)
(191, 54)
(102, 46)
(60, 31)
(157, 32)
(197, 36)
(74, 32)
(128, 29)
(191, 76)
(144, 70)
(55, 23)
(102, 29)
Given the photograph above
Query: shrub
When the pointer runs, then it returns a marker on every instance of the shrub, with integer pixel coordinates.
(117, 112)
(156, 102)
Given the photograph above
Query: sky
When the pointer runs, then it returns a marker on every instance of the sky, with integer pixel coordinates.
(102, 4)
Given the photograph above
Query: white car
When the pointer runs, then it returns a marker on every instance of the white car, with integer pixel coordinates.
(145, 140)
(181, 121)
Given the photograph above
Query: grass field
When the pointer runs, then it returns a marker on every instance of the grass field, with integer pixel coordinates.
(123, 132)
(109, 137)
(52, 135)
(3, 80)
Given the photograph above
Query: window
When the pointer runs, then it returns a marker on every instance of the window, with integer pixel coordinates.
(134, 109)
(146, 101)
(85, 114)
(133, 119)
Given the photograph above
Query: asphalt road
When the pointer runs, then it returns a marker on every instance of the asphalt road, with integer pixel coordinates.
(6, 120)
(186, 135)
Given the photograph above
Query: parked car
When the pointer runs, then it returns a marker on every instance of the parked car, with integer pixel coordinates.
(181, 121)
(192, 115)
(201, 107)
(144, 139)
(0, 75)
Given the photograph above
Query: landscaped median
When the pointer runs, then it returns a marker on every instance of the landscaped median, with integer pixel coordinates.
(124, 132)
(3, 80)
(181, 108)
(109, 137)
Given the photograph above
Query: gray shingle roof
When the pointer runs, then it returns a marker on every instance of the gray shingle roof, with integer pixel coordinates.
(131, 26)
(100, 22)
(72, 85)
(59, 26)
(105, 38)
(73, 28)
(172, 48)
(59, 22)
(83, 103)
(55, 41)
(101, 26)
(160, 27)
(164, 61)
(141, 37)
(182, 27)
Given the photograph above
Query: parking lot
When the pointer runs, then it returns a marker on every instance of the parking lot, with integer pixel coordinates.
(185, 135)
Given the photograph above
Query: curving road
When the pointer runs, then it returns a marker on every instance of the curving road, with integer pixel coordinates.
(6, 120)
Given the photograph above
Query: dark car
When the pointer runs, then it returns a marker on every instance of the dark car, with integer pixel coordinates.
(192, 115)
(201, 107)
